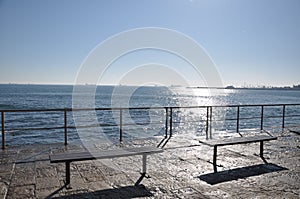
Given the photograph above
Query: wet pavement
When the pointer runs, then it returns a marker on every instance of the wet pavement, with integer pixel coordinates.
(183, 170)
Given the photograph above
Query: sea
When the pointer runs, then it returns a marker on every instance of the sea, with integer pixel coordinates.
(147, 116)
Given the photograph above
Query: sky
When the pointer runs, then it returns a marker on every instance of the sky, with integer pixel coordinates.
(251, 42)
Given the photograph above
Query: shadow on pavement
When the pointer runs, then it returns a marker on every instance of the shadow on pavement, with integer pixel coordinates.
(122, 192)
(240, 173)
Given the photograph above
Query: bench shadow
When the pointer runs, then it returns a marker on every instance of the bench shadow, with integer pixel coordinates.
(240, 173)
(294, 131)
(121, 192)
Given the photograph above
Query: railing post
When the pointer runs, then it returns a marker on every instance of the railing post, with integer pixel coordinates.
(121, 130)
(283, 116)
(207, 116)
(65, 126)
(238, 119)
(210, 123)
(171, 118)
(262, 118)
(166, 125)
(3, 130)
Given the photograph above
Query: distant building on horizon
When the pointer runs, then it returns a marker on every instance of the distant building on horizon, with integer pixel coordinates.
(297, 87)
(294, 87)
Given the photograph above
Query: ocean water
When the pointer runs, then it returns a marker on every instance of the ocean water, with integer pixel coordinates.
(47, 127)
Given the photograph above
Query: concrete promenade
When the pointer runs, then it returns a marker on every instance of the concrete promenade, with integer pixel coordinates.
(183, 170)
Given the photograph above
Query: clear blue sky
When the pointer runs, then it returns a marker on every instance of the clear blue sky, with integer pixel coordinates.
(251, 41)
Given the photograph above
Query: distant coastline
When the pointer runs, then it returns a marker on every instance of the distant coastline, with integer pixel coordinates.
(294, 87)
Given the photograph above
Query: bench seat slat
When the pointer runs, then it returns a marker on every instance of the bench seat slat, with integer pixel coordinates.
(87, 155)
(238, 140)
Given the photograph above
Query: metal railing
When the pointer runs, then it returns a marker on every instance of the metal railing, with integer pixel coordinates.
(238, 119)
(287, 111)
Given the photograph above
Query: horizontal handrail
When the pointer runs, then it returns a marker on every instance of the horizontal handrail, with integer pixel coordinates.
(142, 108)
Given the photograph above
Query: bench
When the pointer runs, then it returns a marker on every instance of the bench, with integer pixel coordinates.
(69, 156)
(237, 140)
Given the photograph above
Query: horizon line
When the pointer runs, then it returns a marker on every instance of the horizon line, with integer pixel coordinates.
(194, 86)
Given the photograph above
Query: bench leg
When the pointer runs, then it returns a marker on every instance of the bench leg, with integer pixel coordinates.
(144, 170)
(215, 159)
(261, 149)
(68, 186)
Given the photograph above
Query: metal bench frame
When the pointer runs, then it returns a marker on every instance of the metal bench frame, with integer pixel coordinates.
(69, 156)
(235, 141)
